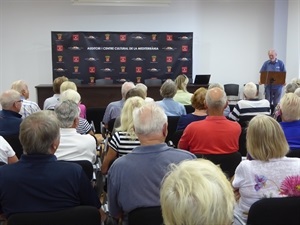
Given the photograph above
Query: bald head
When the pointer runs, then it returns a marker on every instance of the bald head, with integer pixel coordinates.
(216, 100)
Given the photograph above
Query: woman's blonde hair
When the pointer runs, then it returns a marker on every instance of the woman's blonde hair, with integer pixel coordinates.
(67, 85)
(126, 117)
(198, 98)
(196, 192)
(266, 139)
(181, 82)
(290, 107)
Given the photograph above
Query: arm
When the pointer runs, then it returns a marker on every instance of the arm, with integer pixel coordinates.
(108, 159)
(12, 159)
(184, 140)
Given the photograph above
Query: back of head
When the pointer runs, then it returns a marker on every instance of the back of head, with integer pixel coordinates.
(126, 87)
(290, 107)
(143, 87)
(38, 131)
(126, 114)
(135, 92)
(57, 82)
(181, 82)
(8, 98)
(296, 81)
(70, 95)
(67, 85)
(216, 99)
(67, 112)
(291, 87)
(213, 85)
(168, 89)
(250, 90)
(198, 98)
(196, 192)
(265, 138)
(297, 92)
(149, 119)
(19, 86)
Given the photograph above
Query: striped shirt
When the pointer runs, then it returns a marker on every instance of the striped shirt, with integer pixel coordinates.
(123, 143)
(251, 107)
(83, 127)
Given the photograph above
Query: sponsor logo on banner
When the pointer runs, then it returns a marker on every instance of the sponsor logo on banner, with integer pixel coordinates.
(153, 70)
(107, 37)
(75, 37)
(123, 69)
(184, 48)
(123, 37)
(138, 69)
(153, 58)
(59, 48)
(169, 59)
(184, 69)
(169, 37)
(169, 69)
(107, 58)
(60, 70)
(123, 59)
(154, 37)
(60, 58)
(184, 59)
(59, 36)
(76, 69)
(107, 69)
(76, 59)
(92, 69)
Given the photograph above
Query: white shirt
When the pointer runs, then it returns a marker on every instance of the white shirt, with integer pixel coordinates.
(74, 146)
(5, 150)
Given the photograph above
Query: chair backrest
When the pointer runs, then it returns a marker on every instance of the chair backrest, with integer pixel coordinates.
(275, 211)
(104, 81)
(176, 137)
(14, 142)
(227, 162)
(152, 82)
(146, 216)
(244, 121)
(189, 109)
(95, 115)
(172, 125)
(79, 215)
(76, 81)
(87, 167)
(294, 153)
(231, 89)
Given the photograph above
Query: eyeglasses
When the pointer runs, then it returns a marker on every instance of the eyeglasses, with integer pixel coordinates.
(19, 100)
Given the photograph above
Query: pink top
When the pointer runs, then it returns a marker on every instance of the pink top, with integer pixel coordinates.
(82, 111)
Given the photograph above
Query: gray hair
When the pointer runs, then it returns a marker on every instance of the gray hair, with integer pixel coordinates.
(250, 90)
(297, 92)
(67, 112)
(291, 87)
(149, 119)
(215, 98)
(38, 131)
(168, 89)
(8, 98)
(142, 86)
(218, 85)
(19, 86)
(70, 95)
(126, 87)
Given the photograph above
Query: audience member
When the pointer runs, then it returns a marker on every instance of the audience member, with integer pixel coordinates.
(182, 95)
(7, 154)
(196, 192)
(197, 101)
(10, 119)
(270, 174)
(297, 92)
(28, 107)
(51, 102)
(113, 110)
(140, 173)
(250, 106)
(135, 92)
(38, 182)
(73, 146)
(227, 109)
(124, 139)
(171, 107)
(144, 88)
(215, 134)
(290, 114)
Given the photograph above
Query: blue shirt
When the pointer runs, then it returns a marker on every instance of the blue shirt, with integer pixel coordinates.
(185, 120)
(41, 183)
(277, 66)
(171, 107)
(9, 122)
(113, 110)
(292, 133)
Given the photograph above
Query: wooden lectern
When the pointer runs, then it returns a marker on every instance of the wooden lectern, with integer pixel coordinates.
(272, 78)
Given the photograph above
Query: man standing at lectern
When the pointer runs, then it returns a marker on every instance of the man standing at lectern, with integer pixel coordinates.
(273, 64)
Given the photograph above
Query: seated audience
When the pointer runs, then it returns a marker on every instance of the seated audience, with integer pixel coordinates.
(144, 88)
(227, 109)
(290, 115)
(182, 95)
(140, 173)
(215, 134)
(124, 139)
(135, 92)
(171, 108)
(73, 146)
(196, 192)
(197, 101)
(10, 119)
(250, 106)
(7, 154)
(113, 110)
(51, 102)
(270, 174)
(38, 182)
(28, 107)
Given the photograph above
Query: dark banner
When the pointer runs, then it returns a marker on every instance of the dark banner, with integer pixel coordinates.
(121, 56)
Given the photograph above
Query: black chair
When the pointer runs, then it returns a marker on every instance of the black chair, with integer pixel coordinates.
(232, 92)
(146, 216)
(79, 215)
(244, 121)
(86, 165)
(275, 211)
(14, 142)
(172, 125)
(189, 109)
(176, 137)
(104, 81)
(227, 162)
(76, 81)
(95, 115)
(152, 82)
(294, 153)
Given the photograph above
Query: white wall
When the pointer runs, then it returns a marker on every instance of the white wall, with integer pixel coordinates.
(231, 37)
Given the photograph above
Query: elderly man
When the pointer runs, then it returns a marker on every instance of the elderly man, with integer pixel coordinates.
(10, 119)
(134, 179)
(251, 105)
(113, 110)
(73, 146)
(28, 107)
(43, 183)
(215, 134)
